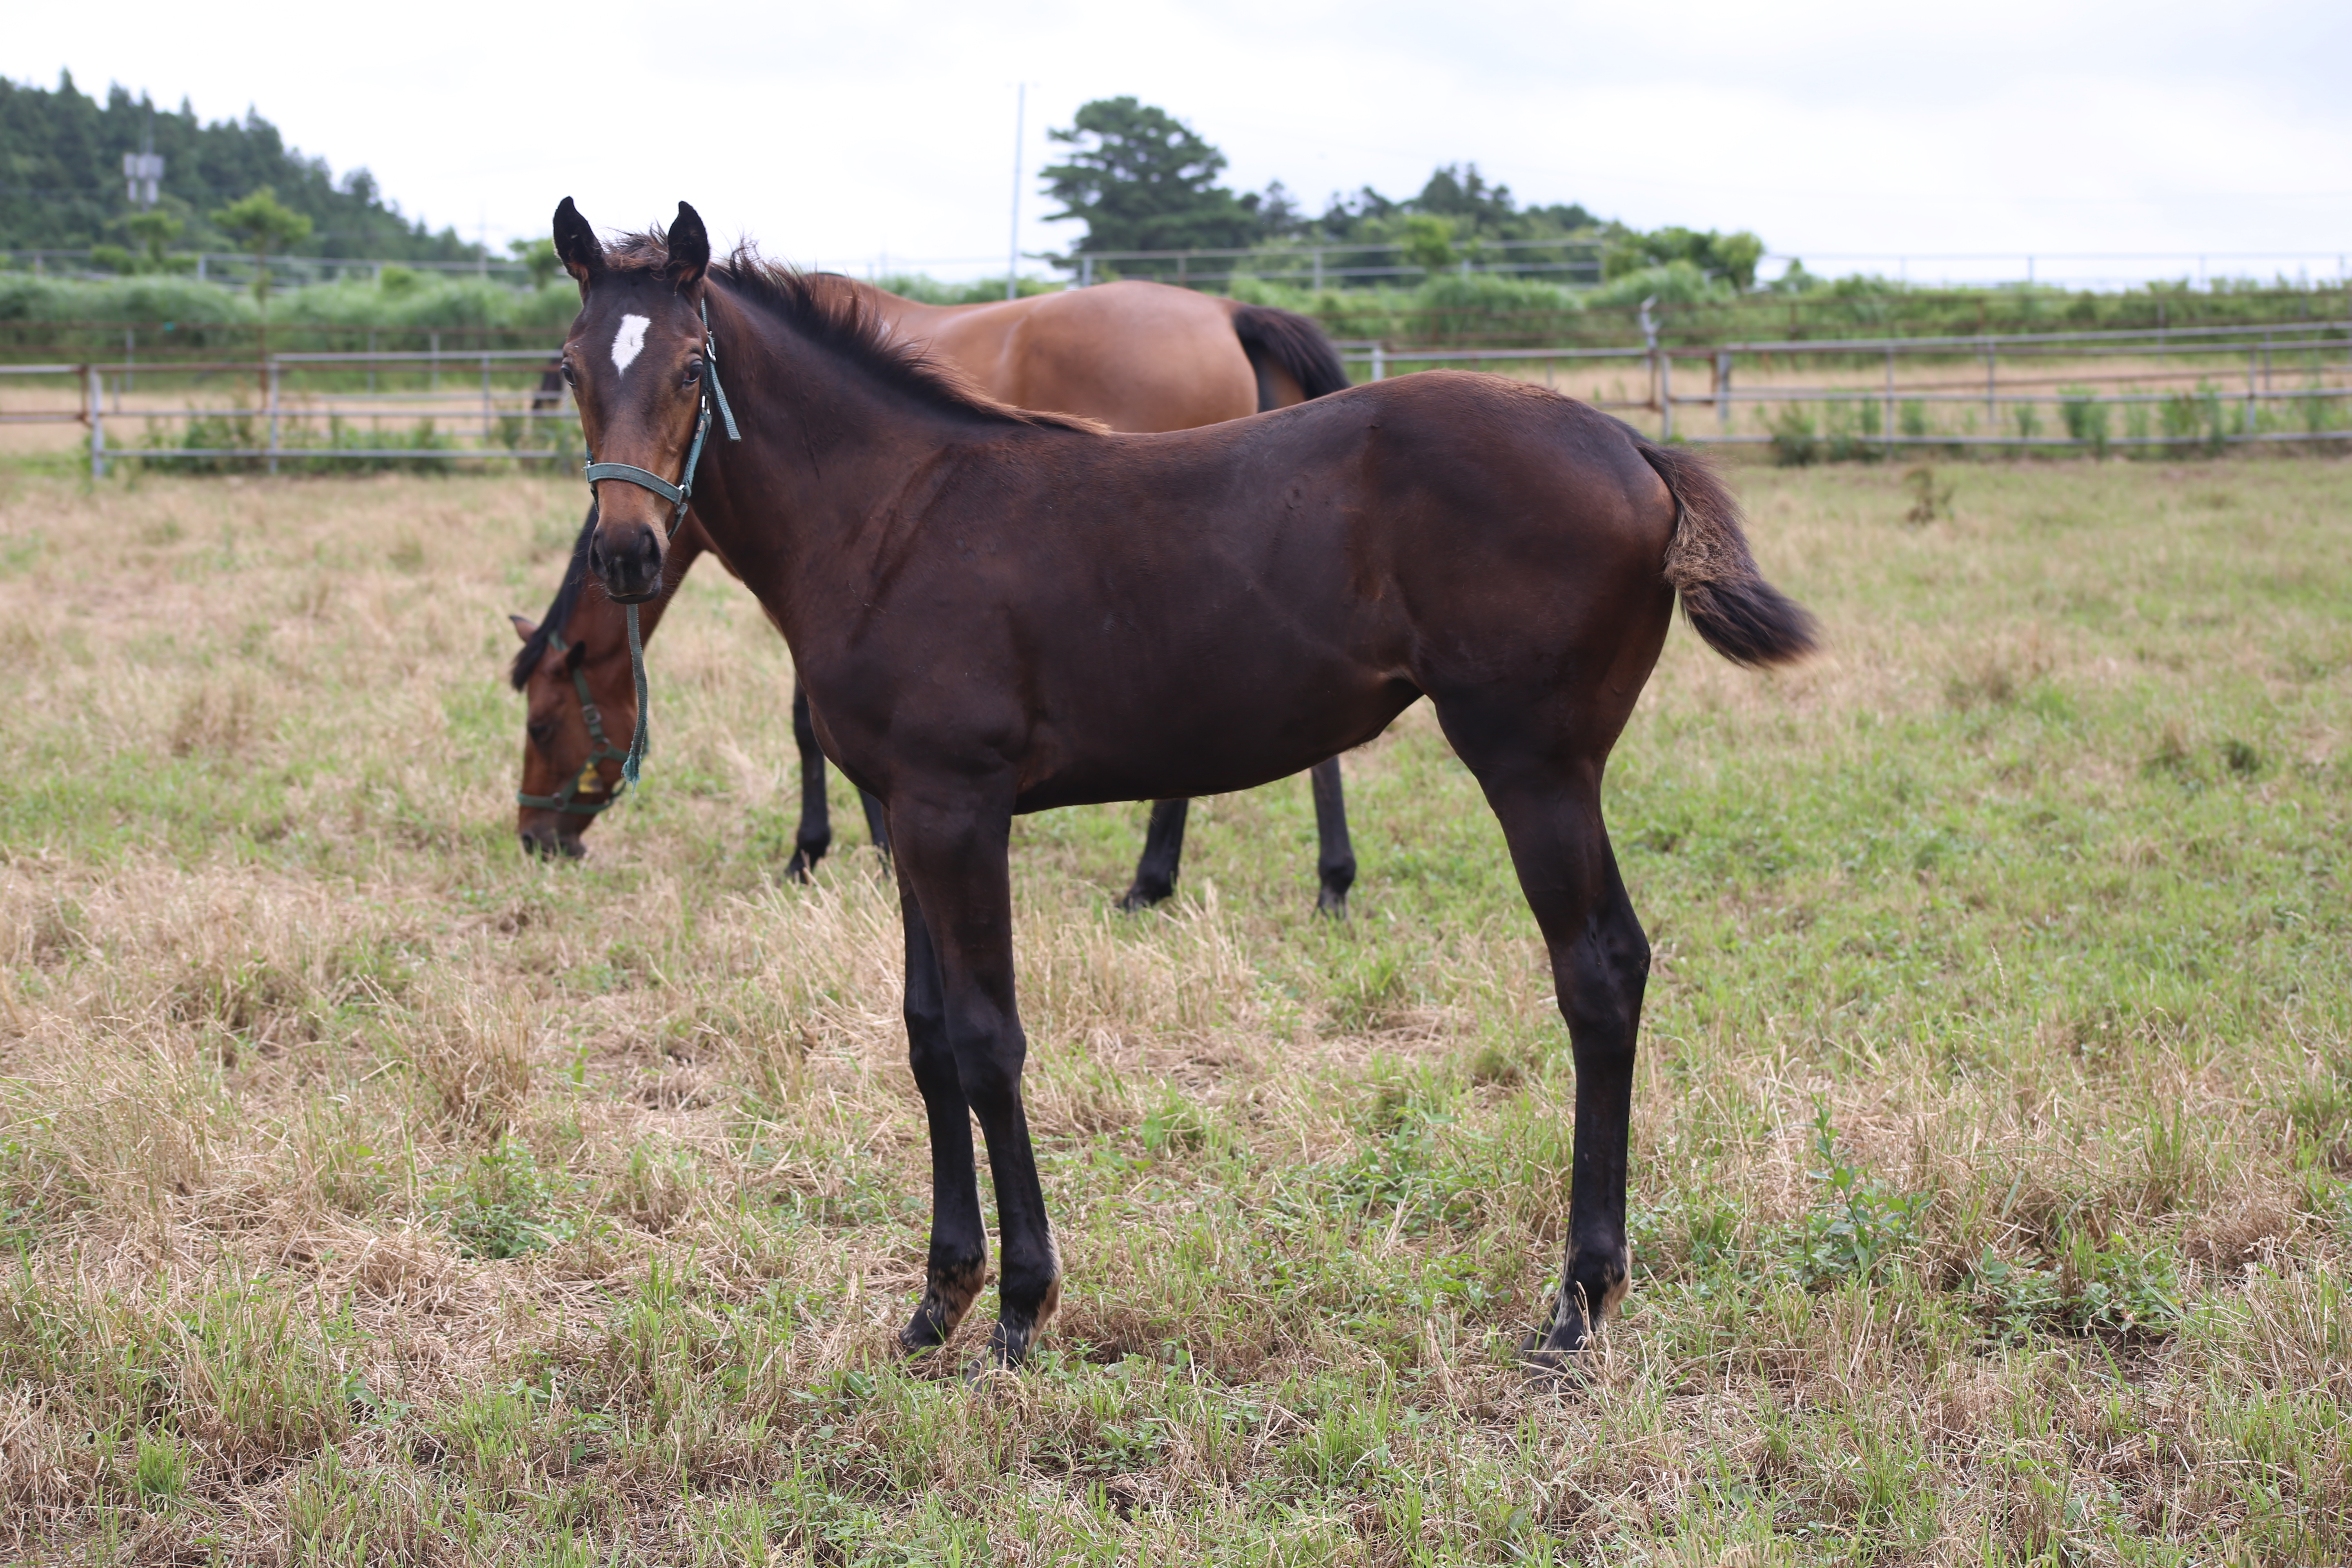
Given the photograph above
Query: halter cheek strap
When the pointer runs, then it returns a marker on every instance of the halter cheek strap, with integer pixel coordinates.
(677, 495)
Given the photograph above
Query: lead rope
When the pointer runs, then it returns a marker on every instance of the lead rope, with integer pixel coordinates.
(678, 494)
(640, 742)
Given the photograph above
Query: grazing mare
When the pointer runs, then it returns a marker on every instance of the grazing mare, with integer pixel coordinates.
(998, 611)
(1136, 356)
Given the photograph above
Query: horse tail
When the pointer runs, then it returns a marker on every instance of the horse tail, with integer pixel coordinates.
(1742, 617)
(1287, 340)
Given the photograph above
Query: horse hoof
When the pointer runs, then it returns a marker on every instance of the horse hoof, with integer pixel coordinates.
(1548, 1366)
(1332, 904)
(1139, 897)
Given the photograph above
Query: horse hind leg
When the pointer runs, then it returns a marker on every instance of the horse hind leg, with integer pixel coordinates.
(1600, 978)
(1163, 853)
(878, 825)
(1550, 811)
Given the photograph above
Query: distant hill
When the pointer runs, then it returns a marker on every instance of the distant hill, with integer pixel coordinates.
(61, 183)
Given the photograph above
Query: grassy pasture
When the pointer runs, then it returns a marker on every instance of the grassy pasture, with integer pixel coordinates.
(373, 1195)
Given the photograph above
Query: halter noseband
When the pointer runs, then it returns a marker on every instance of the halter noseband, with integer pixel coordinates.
(677, 495)
(567, 801)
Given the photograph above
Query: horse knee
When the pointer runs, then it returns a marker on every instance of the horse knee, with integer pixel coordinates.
(990, 1076)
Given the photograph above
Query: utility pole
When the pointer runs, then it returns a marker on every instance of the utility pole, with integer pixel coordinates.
(1013, 260)
(142, 171)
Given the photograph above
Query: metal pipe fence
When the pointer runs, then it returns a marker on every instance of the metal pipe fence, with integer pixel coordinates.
(235, 268)
(2181, 388)
(487, 419)
(2135, 373)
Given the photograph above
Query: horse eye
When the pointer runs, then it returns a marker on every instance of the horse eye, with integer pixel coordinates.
(539, 731)
(693, 372)
(570, 379)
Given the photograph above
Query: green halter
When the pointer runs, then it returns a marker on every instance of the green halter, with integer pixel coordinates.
(567, 800)
(677, 495)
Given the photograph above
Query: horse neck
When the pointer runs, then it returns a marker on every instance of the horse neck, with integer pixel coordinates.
(827, 441)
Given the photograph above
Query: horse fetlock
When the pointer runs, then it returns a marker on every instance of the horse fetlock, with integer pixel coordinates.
(810, 849)
(1146, 893)
(954, 1283)
(1591, 1287)
(1031, 1295)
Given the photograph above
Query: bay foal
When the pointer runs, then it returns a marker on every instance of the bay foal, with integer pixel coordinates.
(996, 612)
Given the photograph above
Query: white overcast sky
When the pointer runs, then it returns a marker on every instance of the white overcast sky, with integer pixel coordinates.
(1846, 133)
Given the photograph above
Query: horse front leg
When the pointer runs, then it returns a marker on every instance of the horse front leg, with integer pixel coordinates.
(1335, 859)
(814, 837)
(950, 857)
(958, 1265)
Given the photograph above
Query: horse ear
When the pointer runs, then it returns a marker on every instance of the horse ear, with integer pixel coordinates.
(523, 627)
(689, 248)
(576, 245)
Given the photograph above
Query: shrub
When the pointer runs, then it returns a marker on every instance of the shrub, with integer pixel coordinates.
(2085, 417)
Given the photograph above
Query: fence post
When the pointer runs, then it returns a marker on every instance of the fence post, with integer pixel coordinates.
(1665, 397)
(1086, 271)
(273, 417)
(433, 380)
(95, 402)
(1992, 403)
(1890, 401)
(1380, 363)
(1318, 271)
(2254, 365)
(1723, 390)
(1650, 338)
(486, 399)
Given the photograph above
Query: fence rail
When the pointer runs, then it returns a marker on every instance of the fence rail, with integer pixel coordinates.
(1898, 412)
(2285, 383)
(235, 268)
(512, 398)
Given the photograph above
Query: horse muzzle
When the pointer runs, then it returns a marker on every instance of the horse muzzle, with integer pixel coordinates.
(627, 558)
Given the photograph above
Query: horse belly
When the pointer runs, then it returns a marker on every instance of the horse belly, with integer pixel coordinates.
(1108, 739)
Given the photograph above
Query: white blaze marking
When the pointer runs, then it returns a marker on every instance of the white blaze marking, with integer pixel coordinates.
(630, 341)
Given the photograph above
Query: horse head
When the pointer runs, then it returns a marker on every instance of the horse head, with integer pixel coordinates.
(637, 361)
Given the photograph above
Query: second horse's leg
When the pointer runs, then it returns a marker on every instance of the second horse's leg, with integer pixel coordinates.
(1335, 860)
(814, 835)
(877, 824)
(1163, 849)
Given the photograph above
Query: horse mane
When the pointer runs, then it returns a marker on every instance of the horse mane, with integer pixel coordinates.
(840, 315)
(559, 609)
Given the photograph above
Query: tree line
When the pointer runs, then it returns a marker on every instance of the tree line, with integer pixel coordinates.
(1140, 178)
(61, 186)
